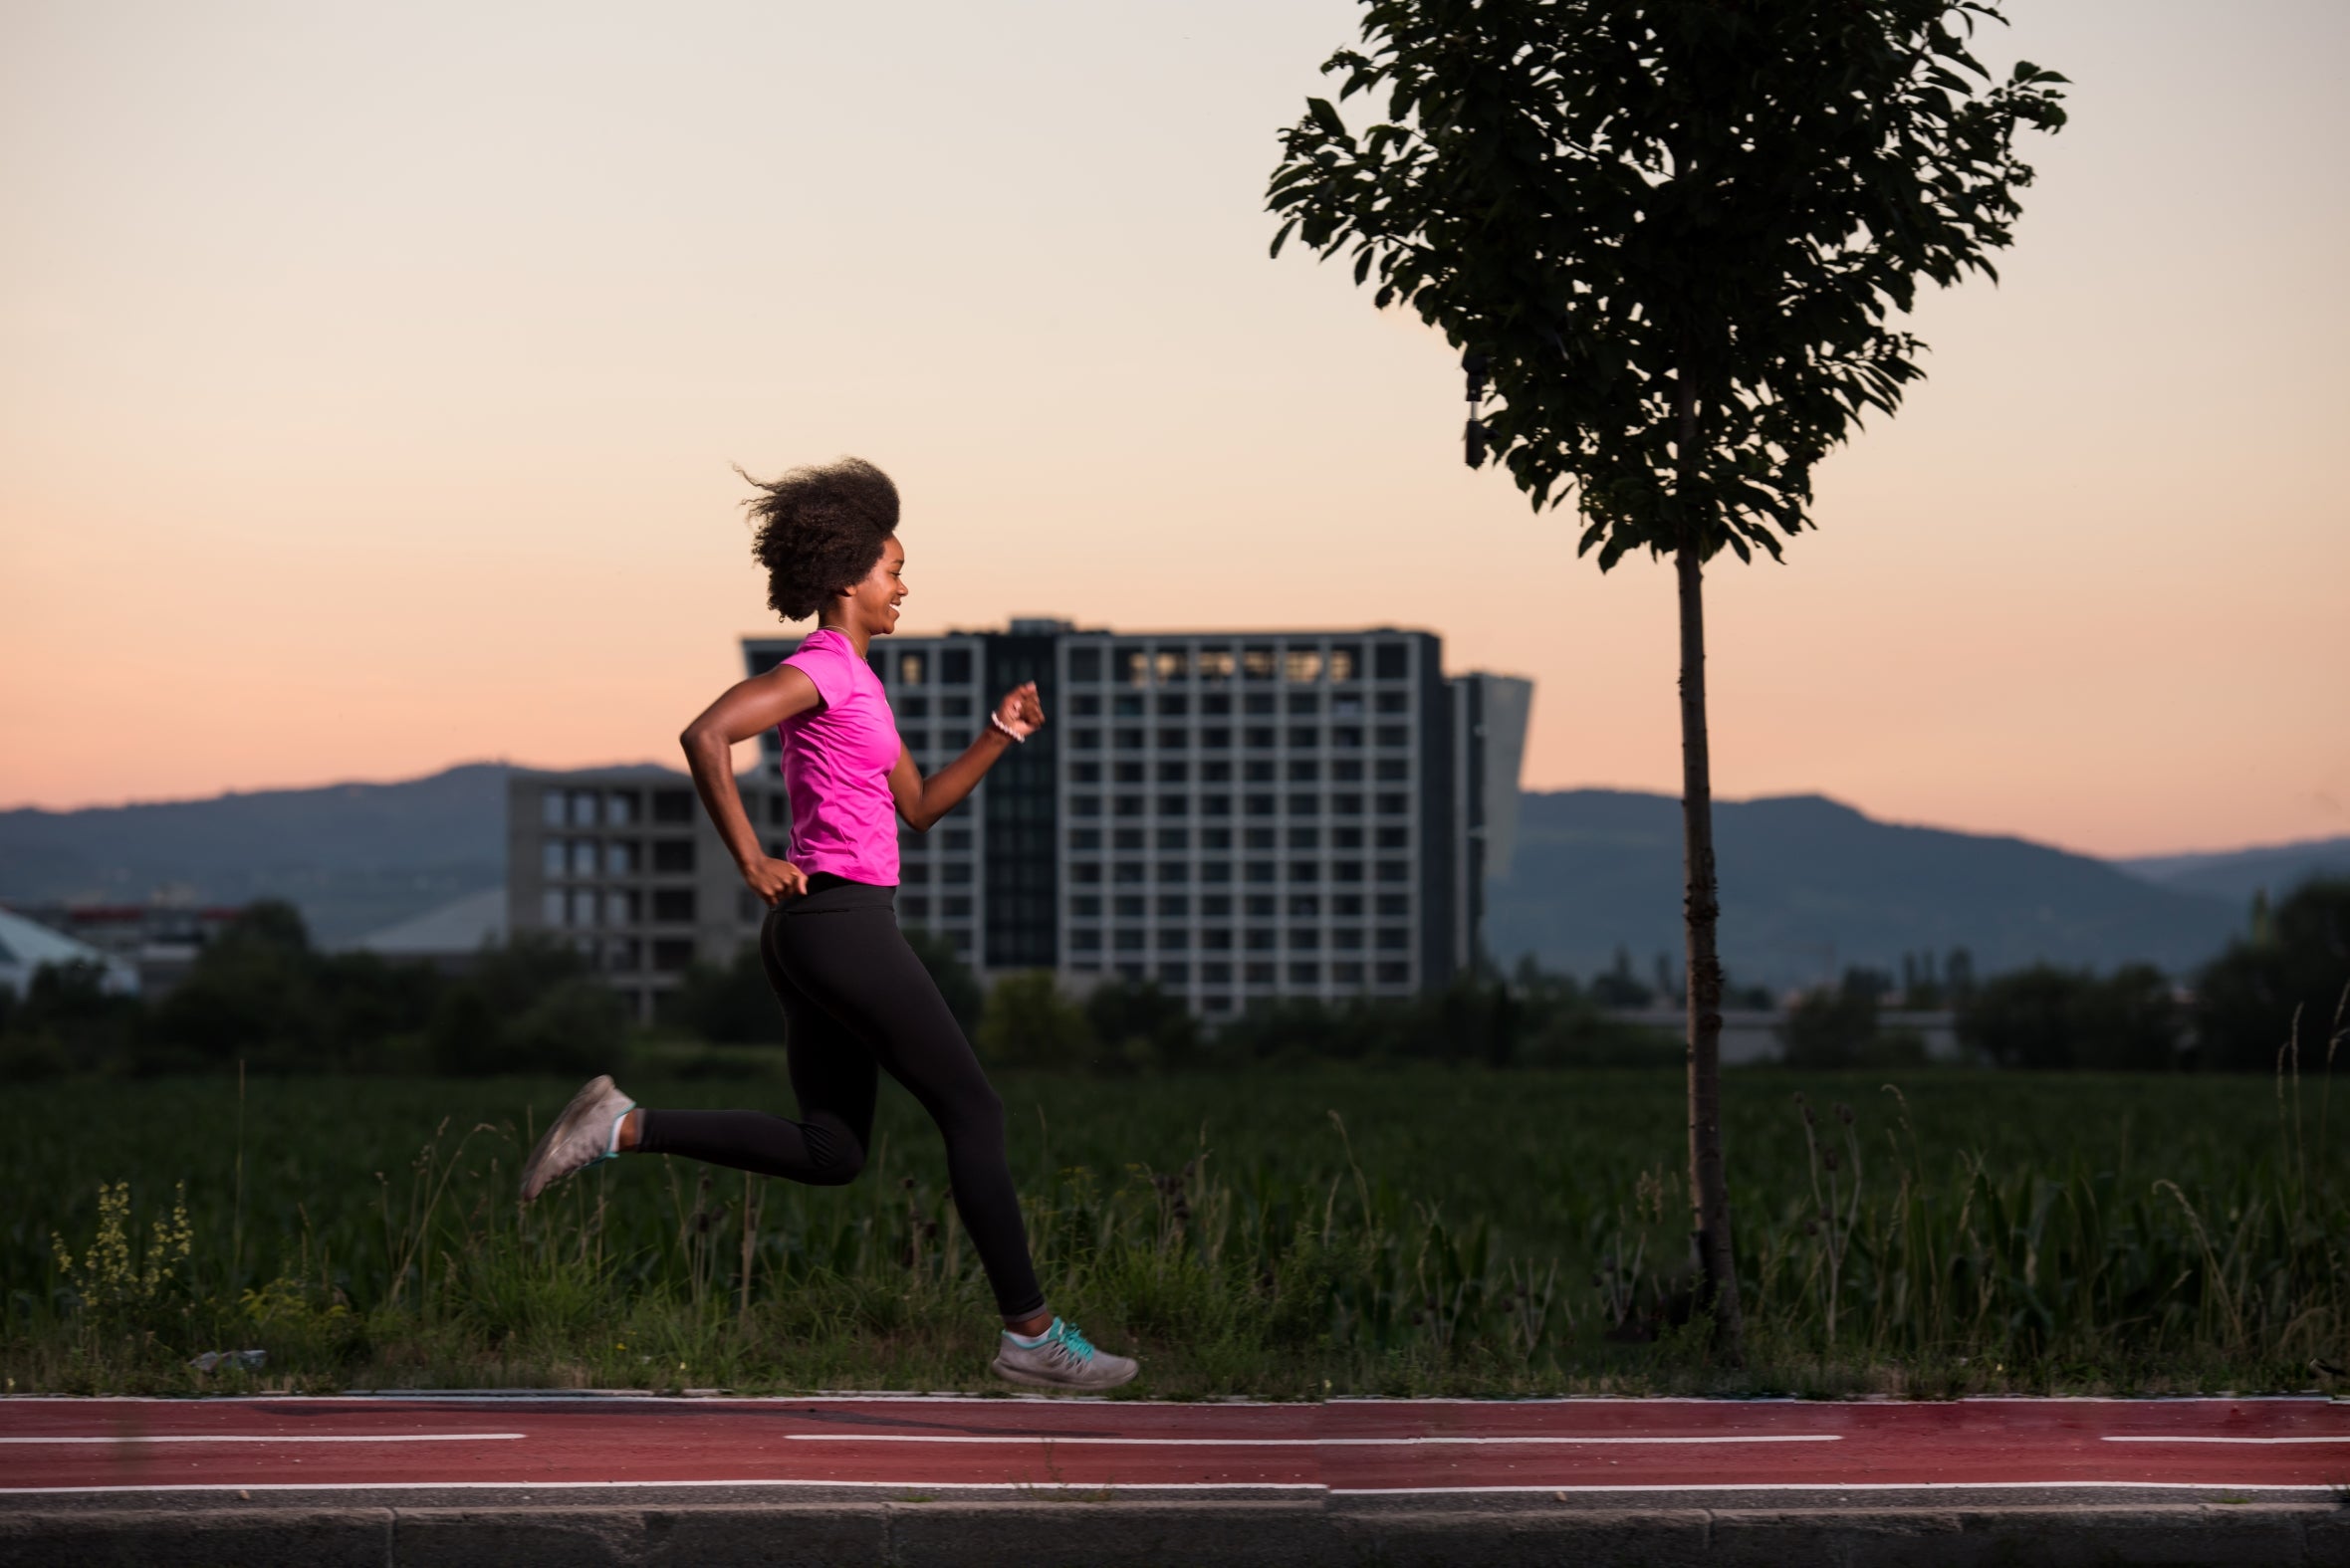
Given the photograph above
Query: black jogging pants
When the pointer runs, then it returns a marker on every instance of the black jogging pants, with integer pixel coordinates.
(857, 1002)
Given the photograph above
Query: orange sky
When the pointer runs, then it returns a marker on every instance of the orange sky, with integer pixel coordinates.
(369, 378)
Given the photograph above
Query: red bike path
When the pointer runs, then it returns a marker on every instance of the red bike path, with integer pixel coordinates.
(1366, 1447)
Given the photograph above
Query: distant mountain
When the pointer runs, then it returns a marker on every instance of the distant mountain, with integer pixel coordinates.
(355, 856)
(1811, 887)
(2238, 874)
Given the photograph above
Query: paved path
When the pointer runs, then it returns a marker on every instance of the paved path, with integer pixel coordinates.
(1369, 1449)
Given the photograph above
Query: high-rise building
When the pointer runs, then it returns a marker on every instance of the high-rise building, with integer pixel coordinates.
(1234, 815)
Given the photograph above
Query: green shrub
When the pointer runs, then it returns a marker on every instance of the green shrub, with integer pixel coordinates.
(2296, 961)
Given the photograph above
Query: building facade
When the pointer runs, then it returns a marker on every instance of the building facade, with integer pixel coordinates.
(1234, 815)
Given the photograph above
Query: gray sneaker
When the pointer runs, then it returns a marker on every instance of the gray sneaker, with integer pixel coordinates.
(578, 1138)
(1062, 1360)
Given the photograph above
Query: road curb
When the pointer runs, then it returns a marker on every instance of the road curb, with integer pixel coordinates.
(1132, 1533)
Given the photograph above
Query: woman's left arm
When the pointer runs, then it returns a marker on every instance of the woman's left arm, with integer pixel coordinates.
(923, 801)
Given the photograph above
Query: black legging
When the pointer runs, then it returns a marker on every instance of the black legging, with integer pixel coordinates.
(855, 999)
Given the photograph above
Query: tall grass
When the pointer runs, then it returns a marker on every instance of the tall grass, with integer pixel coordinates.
(1287, 1236)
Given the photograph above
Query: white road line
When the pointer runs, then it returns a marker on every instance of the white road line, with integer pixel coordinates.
(2136, 1438)
(306, 1437)
(1289, 1443)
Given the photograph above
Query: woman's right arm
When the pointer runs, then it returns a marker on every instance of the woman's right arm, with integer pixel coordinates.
(749, 708)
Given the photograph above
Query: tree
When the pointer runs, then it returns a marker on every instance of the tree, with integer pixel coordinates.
(1666, 234)
(1028, 1022)
(2296, 962)
(2044, 1017)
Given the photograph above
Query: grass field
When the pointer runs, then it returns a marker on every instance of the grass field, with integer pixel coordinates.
(1275, 1234)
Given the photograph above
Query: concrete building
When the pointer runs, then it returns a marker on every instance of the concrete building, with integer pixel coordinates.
(623, 863)
(1235, 816)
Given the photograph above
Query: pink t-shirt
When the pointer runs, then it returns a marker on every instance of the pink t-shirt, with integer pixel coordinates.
(836, 762)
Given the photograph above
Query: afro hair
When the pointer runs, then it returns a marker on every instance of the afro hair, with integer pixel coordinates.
(819, 531)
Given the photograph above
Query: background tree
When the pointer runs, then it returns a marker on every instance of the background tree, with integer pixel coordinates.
(2298, 959)
(1668, 233)
(2044, 1017)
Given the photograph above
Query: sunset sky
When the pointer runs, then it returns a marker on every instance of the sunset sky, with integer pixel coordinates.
(370, 378)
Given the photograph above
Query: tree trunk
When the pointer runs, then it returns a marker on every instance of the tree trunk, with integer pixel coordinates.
(1709, 1189)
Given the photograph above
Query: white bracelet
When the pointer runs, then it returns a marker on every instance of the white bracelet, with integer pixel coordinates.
(1016, 737)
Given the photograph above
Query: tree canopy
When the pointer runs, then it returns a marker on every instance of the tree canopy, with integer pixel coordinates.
(1669, 232)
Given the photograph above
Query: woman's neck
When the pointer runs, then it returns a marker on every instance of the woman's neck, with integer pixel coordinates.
(858, 638)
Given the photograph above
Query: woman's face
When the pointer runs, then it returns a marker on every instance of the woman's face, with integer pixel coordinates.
(875, 599)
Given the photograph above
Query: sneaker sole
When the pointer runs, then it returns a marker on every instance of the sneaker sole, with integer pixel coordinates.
(1030, 1380)
(556, 1131)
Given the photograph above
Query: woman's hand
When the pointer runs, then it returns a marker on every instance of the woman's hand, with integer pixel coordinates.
(1021, 712)
(775, 880)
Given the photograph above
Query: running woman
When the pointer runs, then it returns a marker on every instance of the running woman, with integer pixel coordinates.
(856, 1000)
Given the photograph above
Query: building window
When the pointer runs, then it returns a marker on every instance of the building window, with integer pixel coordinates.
(621, 907)
(1394, 804)
(620, 857)
(1085, 740)
(1126, 838)
(1257, 974)
(1127, 941)
(1347, 870)
(1261, 905)
(1348, 938)
(583, 857)
(1306, 806)
(1257, 939)
(1084, 839)
(1174, 906)
(1174, 772)
(1086, 905)
(1217, 739)
(553, 907)
(913, 668)
(1085, 705)
(1393, 974)
(673, 806)
(1304, 770)
(1259, 737)
(1305, 906)
(1177, 871)
(1304, 737)
(1126, 704)
(672, 905)
(1345, 661)
(1173, 705)
(1347, 737)
(1127, 871)
(914, 873)
(1346, 974)
(913, 707)
(1218, 1003)
(1126, 805)
(955, 871)
(1085, 664)
(1126, 740)
(1396, 838)
(1173, 740)
(916, 739)
(916, 905)
(1128, 971)
(779, 809)
(1215, 664)
(1085, 871)
(1085, 806)
(1256, 702)
(1391, 661)
(1395, 734)
(1257, 771)
(1393, 905)
(550, 809)
(1215, 839)
(1346, 804)
(1346, 905)
(1304, 939)
(1395, 702)
(1216, 871)
(672, 955)
(1174, 805)
(1175, 974)
(1396, 872)
(1305, 703)
(1259, 805)
(958, 840)
(1395, 939)
(1084, 772)
(583, 812)
(1256, 663)
(553, 857)
(1129, 906)
(1305, 973)
(1085, 939)
(1217, 906)
(954, 667)
(1130, 666)
(1259, 871)
(1305, 871)
(1174, 837)
(1174, 939)
(958, 906)
(1304, 838)
(1303, 664)
(1216, 938)
(1345, 839)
